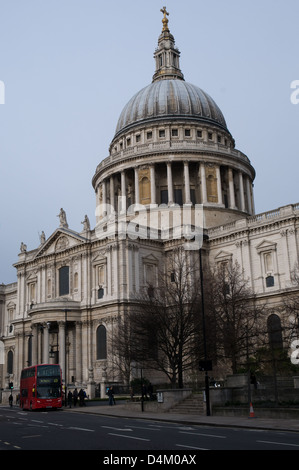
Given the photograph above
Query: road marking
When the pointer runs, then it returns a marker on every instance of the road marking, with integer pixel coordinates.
(279, 443)
(202, 434)
(140, 427)
(27, 437)
(117, 429)
(191, 447)
(80, 429)
(128, 437)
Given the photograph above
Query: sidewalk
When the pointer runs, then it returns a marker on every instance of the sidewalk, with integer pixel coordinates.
(123, 411)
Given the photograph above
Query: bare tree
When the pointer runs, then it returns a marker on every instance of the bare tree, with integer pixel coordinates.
(123, 347)
(165, 325)
(233, 315)
(291, 306)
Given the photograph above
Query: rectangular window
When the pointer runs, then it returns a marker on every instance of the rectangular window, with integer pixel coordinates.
(149, 135)
(187, 133)
(164, 196)
(64, 284)
(178, 197)
(174, 132)
(161, 133)
(192, 195)
(32, 292)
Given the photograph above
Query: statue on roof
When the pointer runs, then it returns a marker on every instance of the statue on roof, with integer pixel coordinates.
(62, 219)
(86, 223)
(42, 238)
(23, 248)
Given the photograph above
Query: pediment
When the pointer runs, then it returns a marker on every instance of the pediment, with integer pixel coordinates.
(32, 277)
(100, 257)
(266, 245)
(61, 240)
(150, 259)
(223, 255)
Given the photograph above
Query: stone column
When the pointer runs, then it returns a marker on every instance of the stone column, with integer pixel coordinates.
(232, 201)
(204, 198)
(46, 344)
(61, 341)
(219, 188)
(78, 352)
(241, 189)
(104, 199)
(251, 195)
(169, 183)
(153, 184)
(123, 191)
(34, 344)
(187, 183)
(136, 175)
(112, 199)
(248, 194)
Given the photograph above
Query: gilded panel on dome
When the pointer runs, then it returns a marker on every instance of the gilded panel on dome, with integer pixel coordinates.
(144, 186)
(211, 179)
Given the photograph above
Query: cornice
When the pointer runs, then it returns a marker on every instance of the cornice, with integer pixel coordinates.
(112, 164)
(255, 225)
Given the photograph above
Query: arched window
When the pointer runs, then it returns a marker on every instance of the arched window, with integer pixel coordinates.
(101, 342)
(275, 332)
(49, 287)
(76, 281)
(269, 281)
(10, 362)
(100, 293)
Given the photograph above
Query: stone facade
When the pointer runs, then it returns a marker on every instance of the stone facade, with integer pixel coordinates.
(171, 150)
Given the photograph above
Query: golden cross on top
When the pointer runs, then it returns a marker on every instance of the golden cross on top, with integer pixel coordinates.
(165, 20)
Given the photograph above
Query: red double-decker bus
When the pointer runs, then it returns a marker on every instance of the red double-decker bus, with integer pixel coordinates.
(41, 387)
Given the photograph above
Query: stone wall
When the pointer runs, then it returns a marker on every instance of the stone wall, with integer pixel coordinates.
(166, 399)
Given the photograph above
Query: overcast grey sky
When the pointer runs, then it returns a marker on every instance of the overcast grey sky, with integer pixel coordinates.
(70, 66)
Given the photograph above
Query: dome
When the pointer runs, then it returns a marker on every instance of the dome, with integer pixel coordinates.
(170, 99)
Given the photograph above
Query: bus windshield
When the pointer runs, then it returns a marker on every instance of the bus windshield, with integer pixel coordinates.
(48, 382)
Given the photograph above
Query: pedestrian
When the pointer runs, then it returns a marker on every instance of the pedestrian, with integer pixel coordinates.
(111, 396)
(10, 400)
(75, 397)
(150, 391)
(70, 398)
(81, 398)
(144, 392)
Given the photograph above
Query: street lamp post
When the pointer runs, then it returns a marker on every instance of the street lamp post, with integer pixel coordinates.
(206, 367)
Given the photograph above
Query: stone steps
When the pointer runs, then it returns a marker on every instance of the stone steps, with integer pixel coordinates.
(191, 405)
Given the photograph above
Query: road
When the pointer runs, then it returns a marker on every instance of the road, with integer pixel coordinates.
(66, 430)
